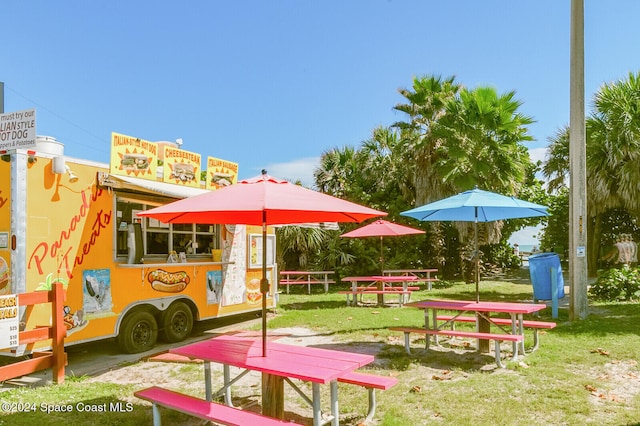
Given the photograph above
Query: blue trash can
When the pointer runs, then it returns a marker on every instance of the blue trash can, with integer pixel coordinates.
(540, 266)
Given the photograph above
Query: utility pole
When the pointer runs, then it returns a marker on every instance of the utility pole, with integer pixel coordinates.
(577, 167)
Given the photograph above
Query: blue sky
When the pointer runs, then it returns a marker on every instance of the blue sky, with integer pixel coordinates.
(274, 83)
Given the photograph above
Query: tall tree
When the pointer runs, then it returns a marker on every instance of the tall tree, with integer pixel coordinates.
(483, 133)
(615, 129)
(426, 106)
(460, 138)
(613, 158)
(337, 171)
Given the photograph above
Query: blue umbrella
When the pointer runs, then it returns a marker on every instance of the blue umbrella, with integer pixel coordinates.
(476, 206)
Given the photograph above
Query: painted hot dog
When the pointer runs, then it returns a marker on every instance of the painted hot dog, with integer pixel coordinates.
(168, 282)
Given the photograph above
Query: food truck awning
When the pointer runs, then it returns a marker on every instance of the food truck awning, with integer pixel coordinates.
(148, 186)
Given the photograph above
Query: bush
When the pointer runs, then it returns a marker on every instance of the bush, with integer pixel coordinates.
(501, 255)
(617, 284)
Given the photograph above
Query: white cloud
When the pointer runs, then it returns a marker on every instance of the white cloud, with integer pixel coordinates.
(526, 236)
(538, 154)
(300, 169)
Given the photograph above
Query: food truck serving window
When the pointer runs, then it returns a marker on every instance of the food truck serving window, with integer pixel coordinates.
(159, 239)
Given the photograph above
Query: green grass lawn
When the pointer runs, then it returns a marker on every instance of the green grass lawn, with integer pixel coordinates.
(584, 372)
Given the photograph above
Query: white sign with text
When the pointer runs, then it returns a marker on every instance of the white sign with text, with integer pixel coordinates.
(18, 130)
(9, 324)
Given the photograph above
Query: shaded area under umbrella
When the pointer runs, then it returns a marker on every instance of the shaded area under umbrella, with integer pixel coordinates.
(262, 200)
(382, 228)
(476, 206)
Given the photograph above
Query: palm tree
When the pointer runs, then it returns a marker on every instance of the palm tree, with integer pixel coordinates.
(461, 138)
(383, 166)
(613, 158)
(615, 130)
(297, 246)
(426, 106)
(556, 165)
(484, 133)
(336, 171)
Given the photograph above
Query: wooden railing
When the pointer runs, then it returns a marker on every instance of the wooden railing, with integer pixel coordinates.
(56, 358)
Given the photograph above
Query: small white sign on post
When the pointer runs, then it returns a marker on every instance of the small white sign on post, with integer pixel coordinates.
(9, 324)
(18, 130)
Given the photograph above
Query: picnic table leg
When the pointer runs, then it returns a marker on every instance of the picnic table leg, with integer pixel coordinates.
(326, 283)
(309, 284)
(483, 326)
(519, 330)
(273, 396)
(317, 411)
(227, 385)
(535, 341)
(380, 295)
(157, 420)
(497, 354)
(372, 405)
(334, 403)
(406, 297)
(207, 381)
(407, 343)
(434, 321)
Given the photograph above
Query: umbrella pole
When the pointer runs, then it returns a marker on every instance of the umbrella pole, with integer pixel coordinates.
(381, 257)
(477, 256)
(264, 284)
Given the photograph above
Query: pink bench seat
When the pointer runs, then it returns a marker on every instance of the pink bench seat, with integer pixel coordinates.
(535, 325)
(497, 338)
(371, 382)
(210, 411)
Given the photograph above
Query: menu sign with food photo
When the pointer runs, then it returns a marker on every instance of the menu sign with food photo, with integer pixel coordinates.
(220, 173)
(9, 321)
(133, 157)
(181, 167)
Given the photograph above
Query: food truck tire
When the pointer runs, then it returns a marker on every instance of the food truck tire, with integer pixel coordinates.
(176, 322)
(138, 332)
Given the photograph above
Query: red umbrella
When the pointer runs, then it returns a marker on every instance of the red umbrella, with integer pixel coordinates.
(382, 228)
(262, 200)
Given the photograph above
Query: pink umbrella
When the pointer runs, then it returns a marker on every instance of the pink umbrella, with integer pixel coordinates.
(382, 228)
(262, 200)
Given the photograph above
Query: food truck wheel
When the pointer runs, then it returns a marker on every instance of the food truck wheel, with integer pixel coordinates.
(176, 322)
(138, 332)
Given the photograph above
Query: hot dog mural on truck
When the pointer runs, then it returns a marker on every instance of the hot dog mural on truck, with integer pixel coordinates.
(136, 279)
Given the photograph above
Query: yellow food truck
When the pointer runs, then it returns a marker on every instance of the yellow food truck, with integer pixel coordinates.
(75, 222)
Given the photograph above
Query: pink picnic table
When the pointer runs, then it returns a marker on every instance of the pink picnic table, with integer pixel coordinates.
(315, 365)
(422, 274)
(306, 277)
(482, 311)
(381, 282)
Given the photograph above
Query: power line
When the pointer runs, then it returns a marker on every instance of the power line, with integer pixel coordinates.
(55, 114)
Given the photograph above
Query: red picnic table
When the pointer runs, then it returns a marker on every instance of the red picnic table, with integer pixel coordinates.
(282, 362)
(424, 275)
(380, 285)
(482, 311)
(306, 277)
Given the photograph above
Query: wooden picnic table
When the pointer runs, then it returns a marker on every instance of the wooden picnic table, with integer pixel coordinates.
(306, 277)
(282, 363)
